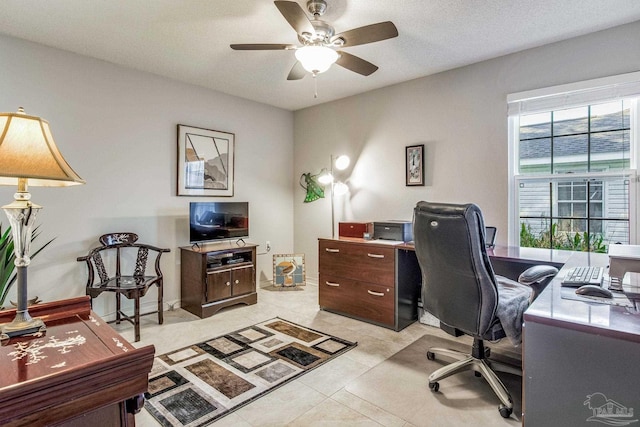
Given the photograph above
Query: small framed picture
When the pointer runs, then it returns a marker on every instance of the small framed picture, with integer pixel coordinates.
(415, 164)
(288, 270)
(205, 162)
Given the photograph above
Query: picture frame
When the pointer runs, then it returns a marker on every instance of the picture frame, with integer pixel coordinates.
(414, 157)
(288, 270)
(205, 162)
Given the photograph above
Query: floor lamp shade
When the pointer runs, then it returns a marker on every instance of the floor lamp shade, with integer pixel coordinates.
(28, 156)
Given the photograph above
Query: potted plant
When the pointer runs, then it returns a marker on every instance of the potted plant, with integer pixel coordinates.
(7, 257)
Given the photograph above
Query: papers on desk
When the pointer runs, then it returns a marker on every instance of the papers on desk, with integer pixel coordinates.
(387, 242)
(619, 298)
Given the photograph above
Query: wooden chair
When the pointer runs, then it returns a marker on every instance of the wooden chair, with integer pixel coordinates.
(118, 248)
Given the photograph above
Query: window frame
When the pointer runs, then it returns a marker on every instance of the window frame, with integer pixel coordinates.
(569, 96)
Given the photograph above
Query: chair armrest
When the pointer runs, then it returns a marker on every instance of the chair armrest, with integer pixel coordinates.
(537, 274)
(150, 247)
(159, 252)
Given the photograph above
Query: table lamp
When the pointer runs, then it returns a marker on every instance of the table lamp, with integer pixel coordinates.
(28, 156)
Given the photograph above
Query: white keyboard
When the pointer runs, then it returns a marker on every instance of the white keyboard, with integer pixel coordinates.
(578, 276)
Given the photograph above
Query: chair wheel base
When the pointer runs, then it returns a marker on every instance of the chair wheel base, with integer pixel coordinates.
(435, 386)
(504, 411)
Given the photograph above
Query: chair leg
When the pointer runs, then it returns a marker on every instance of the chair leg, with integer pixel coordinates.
(136, 317)
(453, 368)
(160, 305)
(446, 353)
(478, 363)
(118, 309)
(498, 387)
(502, 367)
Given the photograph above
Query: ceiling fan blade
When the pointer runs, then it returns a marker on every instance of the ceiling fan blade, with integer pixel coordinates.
(297, 71)
(367, 34)
(355, 64)
(295, 16)
(262, 46)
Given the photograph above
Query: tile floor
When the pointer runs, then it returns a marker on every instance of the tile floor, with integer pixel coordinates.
(320, 397)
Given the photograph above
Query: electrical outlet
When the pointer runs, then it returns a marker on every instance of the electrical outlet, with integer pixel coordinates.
(268, 246)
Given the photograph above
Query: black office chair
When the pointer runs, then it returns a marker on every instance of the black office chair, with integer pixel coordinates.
(490, 234)
(460, 288)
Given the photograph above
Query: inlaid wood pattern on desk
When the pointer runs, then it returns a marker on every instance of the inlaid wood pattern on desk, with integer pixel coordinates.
(80, 371)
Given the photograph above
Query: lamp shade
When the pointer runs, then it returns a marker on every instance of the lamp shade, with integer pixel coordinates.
(342, 162)
(28, 151)
(316, 59)
(325, 177)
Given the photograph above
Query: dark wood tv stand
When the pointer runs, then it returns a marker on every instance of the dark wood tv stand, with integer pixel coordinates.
(215, 276)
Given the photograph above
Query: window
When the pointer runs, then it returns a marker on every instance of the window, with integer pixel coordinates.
(573, 172)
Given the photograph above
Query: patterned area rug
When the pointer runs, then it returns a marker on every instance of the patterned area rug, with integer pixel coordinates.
(197, 385)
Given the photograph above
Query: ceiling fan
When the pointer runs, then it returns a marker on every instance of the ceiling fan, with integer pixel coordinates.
(320, 43)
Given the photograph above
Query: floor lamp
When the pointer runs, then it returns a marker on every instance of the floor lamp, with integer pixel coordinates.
(28, 156)
(340, 163)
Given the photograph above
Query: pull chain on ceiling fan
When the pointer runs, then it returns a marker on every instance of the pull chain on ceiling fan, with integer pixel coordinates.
(319, 42)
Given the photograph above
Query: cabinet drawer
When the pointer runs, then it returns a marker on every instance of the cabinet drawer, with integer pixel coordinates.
(359, 299)
(218, 285)
(365, 262)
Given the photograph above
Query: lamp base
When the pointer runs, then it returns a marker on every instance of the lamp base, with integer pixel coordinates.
(21, 326)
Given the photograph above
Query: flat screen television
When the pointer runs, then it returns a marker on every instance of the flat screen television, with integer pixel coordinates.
(211, 221)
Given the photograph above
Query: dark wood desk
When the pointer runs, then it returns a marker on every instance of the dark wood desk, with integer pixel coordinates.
(79, 373)
(579, 354)
(581, 359)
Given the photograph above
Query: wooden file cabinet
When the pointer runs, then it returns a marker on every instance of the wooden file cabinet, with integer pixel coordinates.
(217, 276)
(373, 282)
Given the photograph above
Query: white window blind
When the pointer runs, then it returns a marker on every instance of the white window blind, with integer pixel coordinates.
(574, 94)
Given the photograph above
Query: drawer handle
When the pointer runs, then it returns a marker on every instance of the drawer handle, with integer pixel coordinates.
(375, 256)
(332, 284)
(228, 283)
(332, 250)
(375, 294)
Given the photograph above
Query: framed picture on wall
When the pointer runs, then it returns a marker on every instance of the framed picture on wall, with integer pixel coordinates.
(414, 156)
(205, 162)
(288, 270)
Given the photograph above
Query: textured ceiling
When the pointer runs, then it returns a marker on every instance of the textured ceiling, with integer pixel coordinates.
(188, 40)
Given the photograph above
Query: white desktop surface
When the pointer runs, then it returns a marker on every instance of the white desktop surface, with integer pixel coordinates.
(552, 309)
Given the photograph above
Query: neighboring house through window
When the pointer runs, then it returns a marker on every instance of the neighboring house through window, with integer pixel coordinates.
(572, 163)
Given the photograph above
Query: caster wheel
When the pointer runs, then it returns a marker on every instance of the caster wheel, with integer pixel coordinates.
(487, 352)
(431, 356)
(434, 386)
(504, 411)
(477, 374)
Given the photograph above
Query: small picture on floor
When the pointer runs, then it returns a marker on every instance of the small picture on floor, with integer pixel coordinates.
(288, 270)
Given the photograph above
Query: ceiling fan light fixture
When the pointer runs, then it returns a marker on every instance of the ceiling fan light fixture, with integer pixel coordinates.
(316, 59)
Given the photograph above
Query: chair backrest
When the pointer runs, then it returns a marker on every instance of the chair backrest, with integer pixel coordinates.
(458, 282)
(490, 234)
(118, 238)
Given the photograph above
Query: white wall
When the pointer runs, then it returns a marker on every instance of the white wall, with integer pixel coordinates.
(460, 116)
(118, 129)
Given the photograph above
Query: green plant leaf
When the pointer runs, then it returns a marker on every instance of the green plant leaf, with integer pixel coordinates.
(7, 258)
